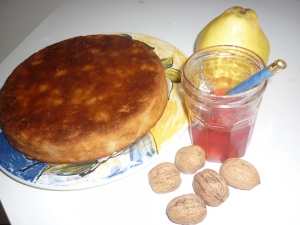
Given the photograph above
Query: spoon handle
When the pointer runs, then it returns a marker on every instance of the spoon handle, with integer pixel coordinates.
(259, 77)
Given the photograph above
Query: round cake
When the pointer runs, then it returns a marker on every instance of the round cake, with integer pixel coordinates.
(83, 98)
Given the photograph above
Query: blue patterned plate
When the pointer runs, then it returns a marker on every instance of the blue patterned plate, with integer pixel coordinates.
(105, 170)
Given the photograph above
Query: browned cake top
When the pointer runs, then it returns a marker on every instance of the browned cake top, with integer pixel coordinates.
(83, 85)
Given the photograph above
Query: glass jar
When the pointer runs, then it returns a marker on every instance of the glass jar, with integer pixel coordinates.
(221, 124)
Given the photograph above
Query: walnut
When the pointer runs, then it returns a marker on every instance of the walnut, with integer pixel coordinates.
(211, 186)
(190, 159)
(164, 178)
(186, 209)
(240, 174)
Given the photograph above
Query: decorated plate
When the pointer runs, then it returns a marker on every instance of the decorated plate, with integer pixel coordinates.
(105, 170)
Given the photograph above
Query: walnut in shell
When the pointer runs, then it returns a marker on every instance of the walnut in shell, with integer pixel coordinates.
(211, 186)
(164, 178)
(240, 174)
(186, 209)
(190, 159)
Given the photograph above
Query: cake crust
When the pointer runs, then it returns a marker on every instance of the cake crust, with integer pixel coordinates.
(83, 98)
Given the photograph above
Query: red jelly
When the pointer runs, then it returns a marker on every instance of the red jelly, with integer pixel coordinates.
(221, 143)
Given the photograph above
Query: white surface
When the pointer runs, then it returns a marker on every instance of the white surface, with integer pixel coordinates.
(18, 18)
(274, 149)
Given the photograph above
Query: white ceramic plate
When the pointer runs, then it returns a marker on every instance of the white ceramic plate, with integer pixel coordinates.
(105, 170)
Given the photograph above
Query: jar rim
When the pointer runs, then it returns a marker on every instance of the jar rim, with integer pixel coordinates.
(191, 89)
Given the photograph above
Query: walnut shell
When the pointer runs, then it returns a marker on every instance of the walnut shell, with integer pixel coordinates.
(240, 174)
(164, 178)
(211, 186)
(190, 159)
(186, 209)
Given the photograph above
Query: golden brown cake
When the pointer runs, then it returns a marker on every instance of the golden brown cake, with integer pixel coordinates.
(83, 98)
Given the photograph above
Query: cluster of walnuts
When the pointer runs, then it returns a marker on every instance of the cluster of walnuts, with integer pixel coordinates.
(210, 187)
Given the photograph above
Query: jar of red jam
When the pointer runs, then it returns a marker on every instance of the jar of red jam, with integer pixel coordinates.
(221, 124)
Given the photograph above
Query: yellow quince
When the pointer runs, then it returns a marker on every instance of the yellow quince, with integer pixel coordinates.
(235, 26)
